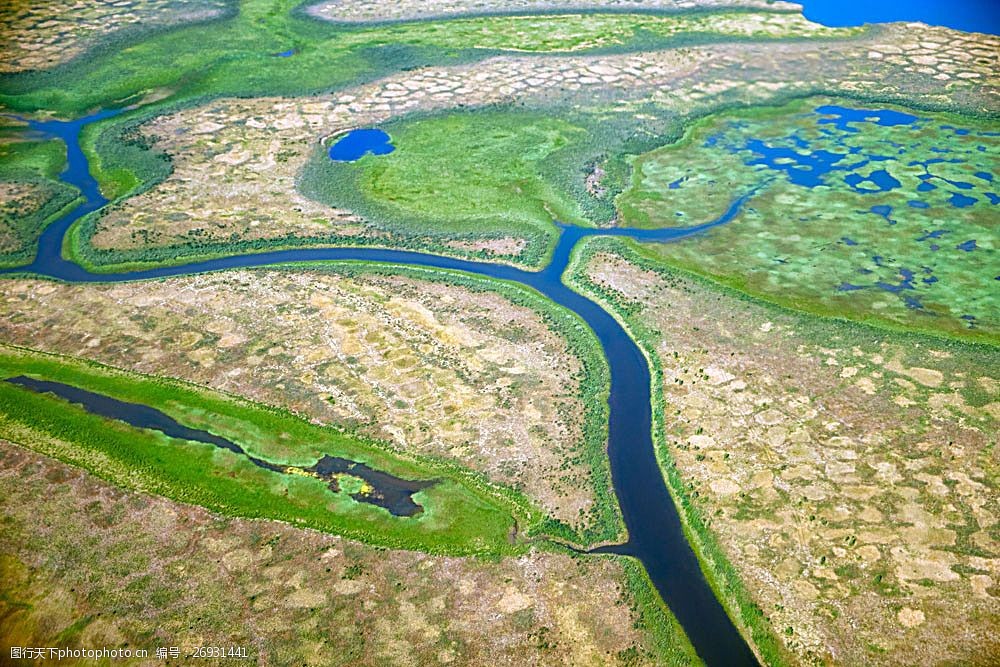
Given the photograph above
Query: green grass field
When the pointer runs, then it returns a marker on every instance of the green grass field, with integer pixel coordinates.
(589, 31)
(474, 173)
(463, 514)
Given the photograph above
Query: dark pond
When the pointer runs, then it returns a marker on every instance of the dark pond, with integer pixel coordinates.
(392, 493)
(357, 143)
(389, 492)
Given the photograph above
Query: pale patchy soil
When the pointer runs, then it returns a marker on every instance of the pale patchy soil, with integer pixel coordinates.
(851, 477)
(176, 575)
(430, 367)
(43, 33)
(404, 10)
(504, 246)
(235, 161)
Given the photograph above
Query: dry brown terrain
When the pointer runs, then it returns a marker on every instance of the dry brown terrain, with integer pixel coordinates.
(106, 567)
(850, 475)
(431, 367)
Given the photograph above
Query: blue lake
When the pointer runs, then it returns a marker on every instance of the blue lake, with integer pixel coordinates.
(966, 15)
(356, 143)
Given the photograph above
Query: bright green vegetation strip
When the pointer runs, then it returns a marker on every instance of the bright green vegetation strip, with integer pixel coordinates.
(236, 54)
(30, 194)
(463, 514)
(884, 221)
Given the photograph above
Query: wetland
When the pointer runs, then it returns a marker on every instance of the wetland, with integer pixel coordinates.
(476, 293)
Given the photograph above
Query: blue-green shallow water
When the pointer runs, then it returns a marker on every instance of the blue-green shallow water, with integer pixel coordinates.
(656, 538)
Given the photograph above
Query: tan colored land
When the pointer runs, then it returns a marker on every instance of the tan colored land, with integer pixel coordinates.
(236, 161)
(43, 33)
(850, 476)
(173, 575)
(430, 367)
(404, 10)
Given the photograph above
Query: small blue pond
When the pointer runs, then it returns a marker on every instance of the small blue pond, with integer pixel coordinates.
(357, 143)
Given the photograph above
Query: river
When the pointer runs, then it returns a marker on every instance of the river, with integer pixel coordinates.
(656, 537)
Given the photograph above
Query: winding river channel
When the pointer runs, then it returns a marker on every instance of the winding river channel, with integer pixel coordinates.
(655, 534)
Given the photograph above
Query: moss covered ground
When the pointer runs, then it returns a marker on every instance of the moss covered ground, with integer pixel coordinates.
(479, 173)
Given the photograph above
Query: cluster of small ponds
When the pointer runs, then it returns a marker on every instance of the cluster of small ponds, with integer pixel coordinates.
(824, 152)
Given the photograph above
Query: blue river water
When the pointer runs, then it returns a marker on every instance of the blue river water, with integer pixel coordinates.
(655, 535)
(965, 15)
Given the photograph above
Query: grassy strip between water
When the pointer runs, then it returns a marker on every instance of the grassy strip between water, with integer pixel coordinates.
(672, 646)
(719, 572)
(463, 513)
